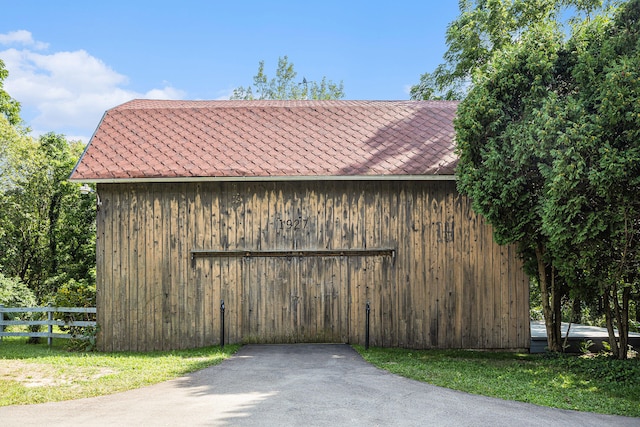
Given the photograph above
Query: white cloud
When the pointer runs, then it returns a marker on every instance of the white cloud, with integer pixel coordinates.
(22, 37)
(66, 90)
(224, 94)
(166, 92)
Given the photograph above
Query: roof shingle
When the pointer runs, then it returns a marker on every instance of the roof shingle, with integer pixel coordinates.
(149, 139)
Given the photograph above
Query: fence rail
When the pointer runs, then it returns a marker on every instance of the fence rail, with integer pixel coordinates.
(50, 322)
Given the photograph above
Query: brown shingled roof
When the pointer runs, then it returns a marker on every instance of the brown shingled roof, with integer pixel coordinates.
(149, 139)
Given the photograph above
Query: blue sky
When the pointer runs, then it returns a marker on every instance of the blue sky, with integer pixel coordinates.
(70, 61)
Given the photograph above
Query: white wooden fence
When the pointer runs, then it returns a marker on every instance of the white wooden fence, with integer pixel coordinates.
(50, 322)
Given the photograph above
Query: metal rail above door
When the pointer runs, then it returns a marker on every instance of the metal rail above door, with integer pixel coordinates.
(244, 253)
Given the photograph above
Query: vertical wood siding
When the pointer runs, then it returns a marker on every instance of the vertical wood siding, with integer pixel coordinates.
(448, 284)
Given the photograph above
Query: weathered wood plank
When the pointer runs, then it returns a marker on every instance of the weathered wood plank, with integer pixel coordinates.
(145, 264)
(418, 248)
(126, 327)
(132, 257)
(488, 322)
(211, 269)
(155, 296)
(105, 281)
(470, 262)
(185, 325)
(397, 276)
(228, 241)
(450, 294)
(194, 274)
(101, 298)
(119, 277)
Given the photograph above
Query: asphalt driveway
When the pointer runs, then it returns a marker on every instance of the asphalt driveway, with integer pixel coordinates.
(296, 385)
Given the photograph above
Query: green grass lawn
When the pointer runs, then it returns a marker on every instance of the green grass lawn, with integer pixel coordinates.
(36, 373)
(597, 384)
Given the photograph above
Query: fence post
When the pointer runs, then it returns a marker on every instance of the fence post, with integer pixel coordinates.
(1, 320)
(50, 325)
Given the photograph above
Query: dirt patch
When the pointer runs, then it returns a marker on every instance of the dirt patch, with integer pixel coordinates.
(42, 375)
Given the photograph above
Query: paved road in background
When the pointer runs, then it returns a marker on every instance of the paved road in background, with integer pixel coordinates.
(297, 385)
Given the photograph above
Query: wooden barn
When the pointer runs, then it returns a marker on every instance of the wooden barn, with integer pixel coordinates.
(304, 217)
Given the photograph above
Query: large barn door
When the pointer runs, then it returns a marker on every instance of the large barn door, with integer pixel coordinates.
(316, 299)
(295, 299)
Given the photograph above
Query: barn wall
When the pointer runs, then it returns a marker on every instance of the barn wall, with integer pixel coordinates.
(447, 285)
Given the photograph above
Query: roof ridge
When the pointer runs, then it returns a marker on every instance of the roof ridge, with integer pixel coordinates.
(143, 103)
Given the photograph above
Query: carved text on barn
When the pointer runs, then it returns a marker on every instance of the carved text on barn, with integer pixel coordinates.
(284, 224)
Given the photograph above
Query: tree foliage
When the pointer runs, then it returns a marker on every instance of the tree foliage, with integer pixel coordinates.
(500, 165)
(483, 29)
(549, 143)
(592, 206)
(286, 86)
(9, 107)
(14, 293)
(47, 230)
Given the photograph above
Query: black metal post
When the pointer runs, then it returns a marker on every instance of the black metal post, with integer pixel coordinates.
(366, 334)
(222, 323)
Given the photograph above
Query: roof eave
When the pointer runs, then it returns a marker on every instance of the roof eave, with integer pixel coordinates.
(84, 152)
(267, 178)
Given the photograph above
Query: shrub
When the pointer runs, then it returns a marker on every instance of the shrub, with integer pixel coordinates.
(14, 293)
(77, 294)
(85, 341)
(603, 367)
